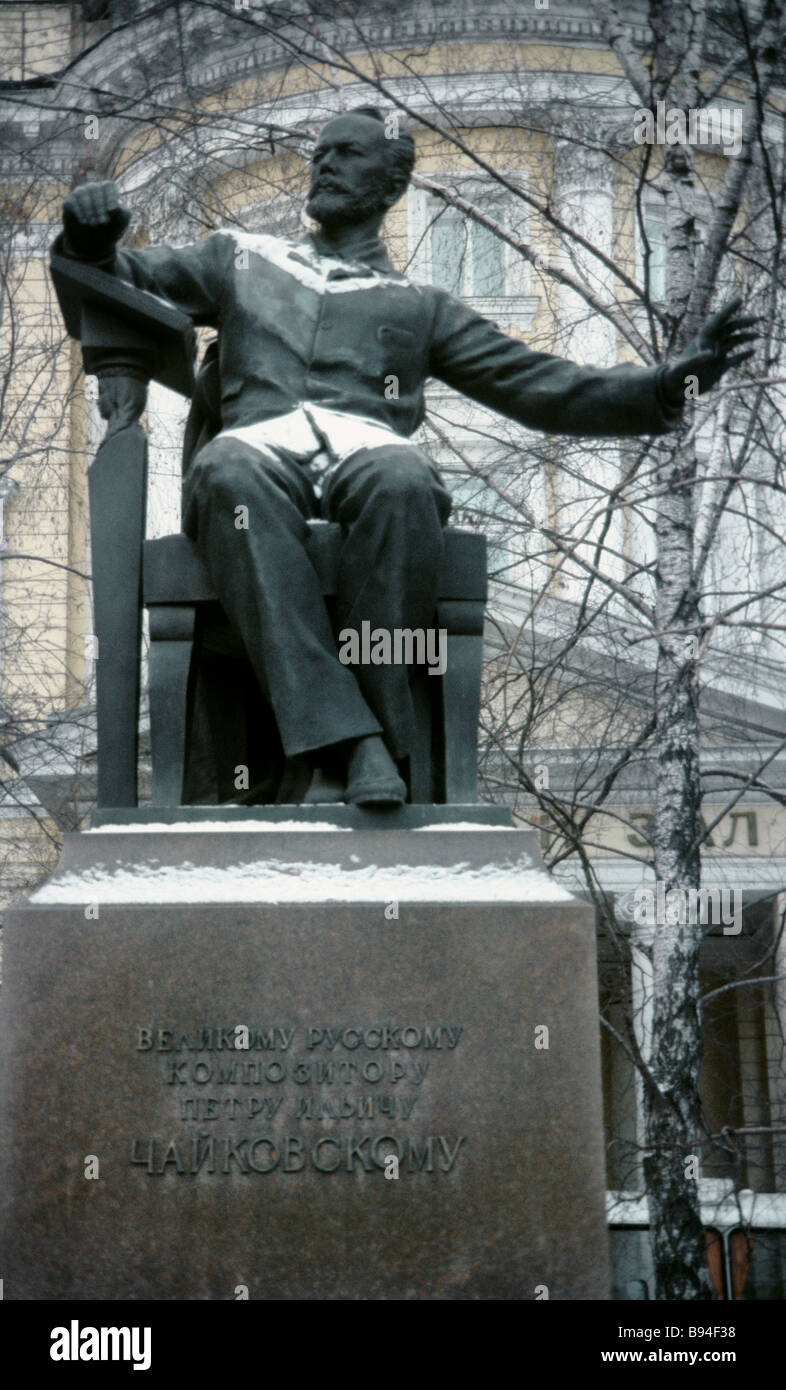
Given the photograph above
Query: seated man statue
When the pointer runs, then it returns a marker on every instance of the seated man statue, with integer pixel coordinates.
(324, 351)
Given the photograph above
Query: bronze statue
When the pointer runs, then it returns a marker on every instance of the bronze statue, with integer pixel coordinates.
(323, 353)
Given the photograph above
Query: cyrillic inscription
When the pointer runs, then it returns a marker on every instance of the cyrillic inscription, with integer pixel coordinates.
(291, 1153)
(271, 1039)
(317, 1079)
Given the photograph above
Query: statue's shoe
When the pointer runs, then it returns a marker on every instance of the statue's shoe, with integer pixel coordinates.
(393, 793)
(372, 779)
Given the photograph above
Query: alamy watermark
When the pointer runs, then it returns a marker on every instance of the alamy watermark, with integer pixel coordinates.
(76, 1343)
(649, 906)
(399, 646)
(699, 125)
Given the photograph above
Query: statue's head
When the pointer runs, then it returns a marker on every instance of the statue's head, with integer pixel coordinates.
(360, 167)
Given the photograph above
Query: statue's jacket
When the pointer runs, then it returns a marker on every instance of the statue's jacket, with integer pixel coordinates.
(297, 324)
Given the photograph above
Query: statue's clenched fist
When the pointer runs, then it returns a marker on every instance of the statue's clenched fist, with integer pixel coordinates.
(94, 220)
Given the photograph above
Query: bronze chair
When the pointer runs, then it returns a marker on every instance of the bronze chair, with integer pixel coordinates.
(128, 338)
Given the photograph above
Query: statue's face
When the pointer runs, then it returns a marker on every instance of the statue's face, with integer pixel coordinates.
(350, 172)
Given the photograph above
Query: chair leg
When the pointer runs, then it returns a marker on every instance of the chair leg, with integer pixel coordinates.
(171, 654)
(461, 698)
(421, 789)
(117, 483)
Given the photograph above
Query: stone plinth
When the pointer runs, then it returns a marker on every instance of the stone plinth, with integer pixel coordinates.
(316, 1063)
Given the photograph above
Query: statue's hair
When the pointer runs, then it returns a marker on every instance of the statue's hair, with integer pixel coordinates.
(402, 146)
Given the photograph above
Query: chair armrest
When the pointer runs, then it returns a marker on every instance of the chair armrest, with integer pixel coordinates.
(119, 324)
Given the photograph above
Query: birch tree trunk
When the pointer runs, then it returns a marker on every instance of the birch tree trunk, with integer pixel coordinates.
(672, 1099)
(673, 1116)
(672, 1107)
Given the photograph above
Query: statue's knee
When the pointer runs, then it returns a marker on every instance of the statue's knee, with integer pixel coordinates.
(221, 470)
(403, 476)
(412, 483)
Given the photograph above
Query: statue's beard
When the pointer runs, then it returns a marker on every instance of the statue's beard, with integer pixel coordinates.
(332, 207)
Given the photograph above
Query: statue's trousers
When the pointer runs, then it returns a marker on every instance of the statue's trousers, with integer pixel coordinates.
(247, 513)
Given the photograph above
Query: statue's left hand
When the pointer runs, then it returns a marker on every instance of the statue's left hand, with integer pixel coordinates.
(711, 353)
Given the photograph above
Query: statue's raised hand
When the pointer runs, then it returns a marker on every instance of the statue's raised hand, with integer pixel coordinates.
(94, 220)
(712, 352)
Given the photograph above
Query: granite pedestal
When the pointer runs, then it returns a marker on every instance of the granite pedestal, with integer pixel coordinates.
(301, 1063)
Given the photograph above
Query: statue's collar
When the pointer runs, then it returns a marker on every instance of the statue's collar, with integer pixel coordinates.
(370, 252)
